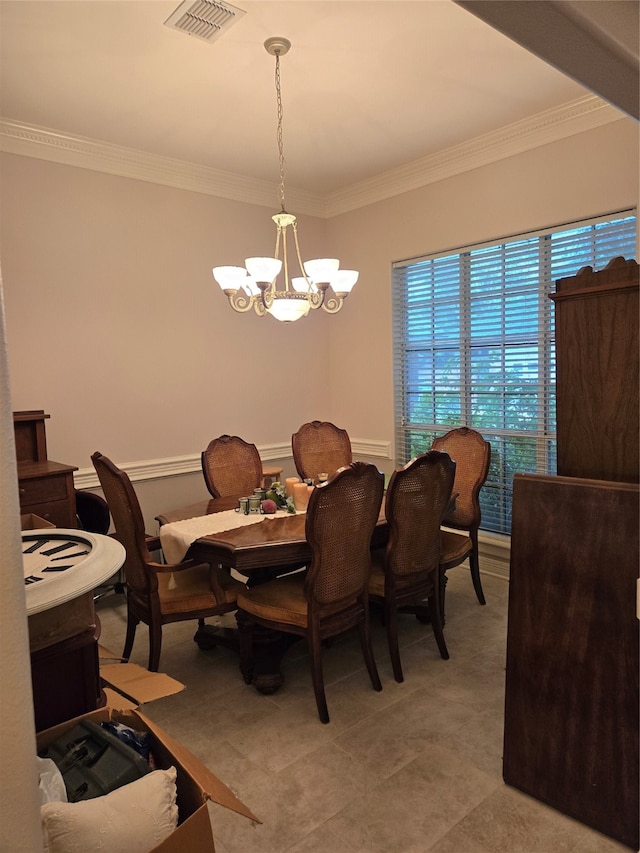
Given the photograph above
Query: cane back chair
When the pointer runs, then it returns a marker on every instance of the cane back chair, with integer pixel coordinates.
(320, 447)
(472, 455)
(159, 593)
(407, 572)
(331, 596)
(231, 466)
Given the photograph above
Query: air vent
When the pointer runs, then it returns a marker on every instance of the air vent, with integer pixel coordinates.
(204, 19)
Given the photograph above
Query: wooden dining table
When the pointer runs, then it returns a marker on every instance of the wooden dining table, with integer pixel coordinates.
(258, 552)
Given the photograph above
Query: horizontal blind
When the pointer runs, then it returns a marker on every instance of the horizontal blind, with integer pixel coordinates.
(474, 345)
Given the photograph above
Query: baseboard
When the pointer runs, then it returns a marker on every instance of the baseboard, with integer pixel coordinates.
(495, 554)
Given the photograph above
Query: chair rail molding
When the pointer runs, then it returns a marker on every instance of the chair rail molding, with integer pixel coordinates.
(494, 549)
(169, 466)
(172, 466)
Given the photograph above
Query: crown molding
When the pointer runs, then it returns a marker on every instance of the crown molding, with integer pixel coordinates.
(83, 153)
(549, 126)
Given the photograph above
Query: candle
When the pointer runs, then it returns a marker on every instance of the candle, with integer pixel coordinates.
(300, 495)
(289, 484)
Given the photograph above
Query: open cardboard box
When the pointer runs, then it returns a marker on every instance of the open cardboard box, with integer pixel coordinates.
(127, 685)
(195, 784)
(136, 684)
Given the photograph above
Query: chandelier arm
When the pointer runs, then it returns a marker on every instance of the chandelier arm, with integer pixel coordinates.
(285, 261)
(278, 235)
(294, 225)
(333, 304)
(240, 301)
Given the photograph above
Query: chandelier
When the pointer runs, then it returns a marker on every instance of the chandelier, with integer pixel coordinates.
(256, 284)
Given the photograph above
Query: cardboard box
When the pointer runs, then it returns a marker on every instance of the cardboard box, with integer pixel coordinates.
(34, 522)
(138, 684)
(127, 685)
(195, 784)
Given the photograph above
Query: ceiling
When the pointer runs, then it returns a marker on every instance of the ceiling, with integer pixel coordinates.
(367, 86)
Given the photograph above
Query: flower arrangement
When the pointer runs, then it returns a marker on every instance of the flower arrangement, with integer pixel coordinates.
(277, 493)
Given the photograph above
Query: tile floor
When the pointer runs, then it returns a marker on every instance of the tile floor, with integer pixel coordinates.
(412, 769)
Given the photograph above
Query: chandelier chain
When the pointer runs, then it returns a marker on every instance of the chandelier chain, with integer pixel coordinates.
(279, 133)
(256, 284)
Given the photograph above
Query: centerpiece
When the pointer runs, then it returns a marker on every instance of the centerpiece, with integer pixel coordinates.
(277, 493)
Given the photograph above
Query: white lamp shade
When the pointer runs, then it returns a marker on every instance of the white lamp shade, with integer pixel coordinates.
(263, 269)
(230, 278)
(303, 285)
(344, 280)
(321, 269)
(287, 309)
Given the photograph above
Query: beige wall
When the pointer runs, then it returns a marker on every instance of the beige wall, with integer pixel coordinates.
(117, 329)
(588, 174)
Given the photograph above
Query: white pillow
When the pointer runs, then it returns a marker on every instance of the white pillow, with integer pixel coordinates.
(132, 819)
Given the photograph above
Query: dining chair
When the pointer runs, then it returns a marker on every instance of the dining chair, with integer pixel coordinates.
(331, 596)
(320, 447)
(406, 573)
(231, 466)
(159, 593)
(472, 455)
(92, 513)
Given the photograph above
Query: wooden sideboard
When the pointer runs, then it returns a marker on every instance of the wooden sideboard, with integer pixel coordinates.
(572, 696)
(571, 708)
(45, 487)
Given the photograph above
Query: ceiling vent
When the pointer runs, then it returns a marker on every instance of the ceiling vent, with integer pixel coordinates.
(204, 19)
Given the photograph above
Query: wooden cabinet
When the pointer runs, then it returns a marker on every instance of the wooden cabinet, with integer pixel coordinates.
(45, 487)
(65, 678)
(597, 379)
(571, 708)
(572, 696)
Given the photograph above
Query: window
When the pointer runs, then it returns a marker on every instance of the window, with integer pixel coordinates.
(474, 345)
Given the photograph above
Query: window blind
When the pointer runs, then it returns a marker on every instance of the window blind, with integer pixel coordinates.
(474, 345)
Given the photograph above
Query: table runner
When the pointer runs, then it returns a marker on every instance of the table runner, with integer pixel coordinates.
(177, 536)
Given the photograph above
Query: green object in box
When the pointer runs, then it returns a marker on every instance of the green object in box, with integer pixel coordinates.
(94, 762)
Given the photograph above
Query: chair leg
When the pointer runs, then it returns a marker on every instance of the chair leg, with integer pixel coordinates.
(442, 582)
(364, 627)
(391, 619)
(474, 566)
(315, 658)
(155, 644)
(436, 622)
(132, 624)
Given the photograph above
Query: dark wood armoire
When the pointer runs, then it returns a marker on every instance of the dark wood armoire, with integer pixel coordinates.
(572, 697)
(598, 408)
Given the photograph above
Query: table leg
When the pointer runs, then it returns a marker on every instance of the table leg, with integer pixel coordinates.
(261, 653)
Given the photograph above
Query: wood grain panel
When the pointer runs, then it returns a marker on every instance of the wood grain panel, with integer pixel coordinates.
(597, 373)
(571, 710)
